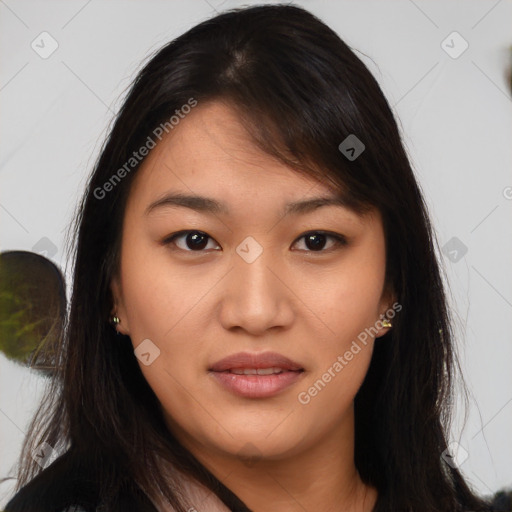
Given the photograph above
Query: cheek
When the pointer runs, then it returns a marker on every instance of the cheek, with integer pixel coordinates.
(348, 298)
(348, 305)
(165, 303)
(160, 309)
(342, 355)
(157, 294)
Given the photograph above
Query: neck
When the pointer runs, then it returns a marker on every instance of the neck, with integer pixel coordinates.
(319, 476)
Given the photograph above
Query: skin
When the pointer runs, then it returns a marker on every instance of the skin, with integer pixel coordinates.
(198, 307)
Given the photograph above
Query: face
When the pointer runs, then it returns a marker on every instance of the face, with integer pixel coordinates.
(198, 284)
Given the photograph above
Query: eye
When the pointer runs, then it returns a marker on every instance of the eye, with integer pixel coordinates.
(196, 241)
(193, 241)
(315, 241)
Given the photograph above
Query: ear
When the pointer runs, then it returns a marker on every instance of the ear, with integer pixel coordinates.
(119, 308)
(388, 308)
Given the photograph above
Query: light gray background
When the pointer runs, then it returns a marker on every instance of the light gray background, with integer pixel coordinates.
(455, 113)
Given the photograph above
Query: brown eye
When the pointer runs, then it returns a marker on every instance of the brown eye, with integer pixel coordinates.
(316, 241)
(191, 241)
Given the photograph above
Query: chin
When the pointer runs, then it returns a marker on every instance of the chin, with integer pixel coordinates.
(259, 445)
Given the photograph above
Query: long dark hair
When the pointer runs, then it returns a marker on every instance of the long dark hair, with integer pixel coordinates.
(301, 91)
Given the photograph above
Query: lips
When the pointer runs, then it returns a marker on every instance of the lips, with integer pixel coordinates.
(263, 361)
(256, 375)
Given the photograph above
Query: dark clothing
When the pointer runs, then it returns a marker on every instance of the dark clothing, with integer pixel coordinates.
(67, 486)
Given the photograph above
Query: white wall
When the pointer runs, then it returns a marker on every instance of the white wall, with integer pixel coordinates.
(456, 115)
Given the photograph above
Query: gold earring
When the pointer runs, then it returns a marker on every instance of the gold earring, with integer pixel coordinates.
(386, 323)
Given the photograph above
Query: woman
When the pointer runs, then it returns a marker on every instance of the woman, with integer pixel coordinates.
(258, 319)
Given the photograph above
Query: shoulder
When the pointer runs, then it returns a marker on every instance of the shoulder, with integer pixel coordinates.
(70, 485)
(61, 487)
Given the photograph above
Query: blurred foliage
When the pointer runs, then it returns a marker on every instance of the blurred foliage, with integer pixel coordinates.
(32, 308)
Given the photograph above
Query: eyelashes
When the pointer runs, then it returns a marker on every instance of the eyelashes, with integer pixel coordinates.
(195, 241)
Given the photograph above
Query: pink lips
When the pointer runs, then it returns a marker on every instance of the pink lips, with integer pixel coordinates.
(279, 373)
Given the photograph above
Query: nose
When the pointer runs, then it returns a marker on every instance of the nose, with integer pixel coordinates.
(256, 297)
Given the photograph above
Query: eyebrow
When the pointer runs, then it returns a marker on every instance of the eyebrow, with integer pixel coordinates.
(212, 206)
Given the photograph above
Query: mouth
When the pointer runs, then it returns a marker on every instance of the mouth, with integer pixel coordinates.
(260, 375)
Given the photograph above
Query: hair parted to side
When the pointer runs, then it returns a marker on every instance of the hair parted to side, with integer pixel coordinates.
(300, 91)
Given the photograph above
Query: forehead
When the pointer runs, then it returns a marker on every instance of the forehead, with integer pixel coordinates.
(211, 139)
(210, 162)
